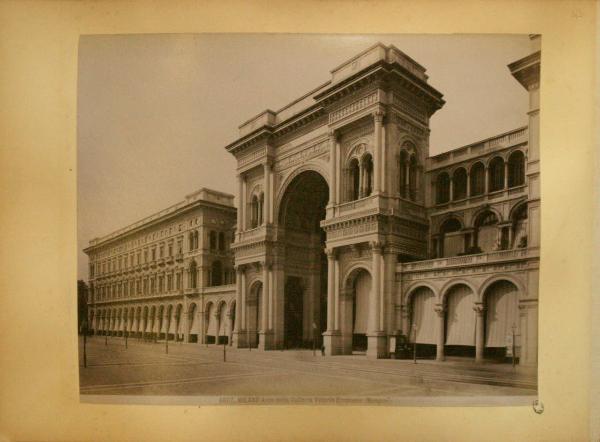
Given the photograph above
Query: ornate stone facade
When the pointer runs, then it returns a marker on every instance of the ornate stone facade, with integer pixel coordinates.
(169, 275)
(393, 221)
(348, 232)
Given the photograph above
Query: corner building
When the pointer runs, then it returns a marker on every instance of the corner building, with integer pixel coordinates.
(167, 276)
(349, 233)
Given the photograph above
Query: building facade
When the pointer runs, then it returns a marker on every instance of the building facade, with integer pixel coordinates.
(169, 275)
(350, 236)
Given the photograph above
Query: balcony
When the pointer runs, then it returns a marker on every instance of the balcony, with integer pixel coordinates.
(191, 290)
(480, 258)
(479, 199)
(170, 259)
(179, 257)
(253, 234)
(487, 146)
(360, 204)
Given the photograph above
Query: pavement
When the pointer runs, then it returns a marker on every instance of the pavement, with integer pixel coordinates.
(144, 368)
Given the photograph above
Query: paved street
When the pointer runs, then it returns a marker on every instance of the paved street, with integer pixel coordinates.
(194, 369)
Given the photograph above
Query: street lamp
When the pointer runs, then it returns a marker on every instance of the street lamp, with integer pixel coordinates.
(168, 322)
(514, 330)
(84, 327)
(415, 344)
(314, 327)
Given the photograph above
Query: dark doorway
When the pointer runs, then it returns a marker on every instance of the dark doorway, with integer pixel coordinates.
(303, 207)
(293, 313)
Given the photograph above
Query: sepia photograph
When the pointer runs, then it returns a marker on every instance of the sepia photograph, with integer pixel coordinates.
(305, 218)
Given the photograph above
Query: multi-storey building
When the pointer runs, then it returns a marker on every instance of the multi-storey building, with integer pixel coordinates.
(364, 237)
(349, 234)
(168, 275)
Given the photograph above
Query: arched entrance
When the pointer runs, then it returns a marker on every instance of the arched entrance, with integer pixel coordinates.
(460, 321)
(253, 312)
(355, 311)
(305, 264)
(501, 302)
(423, 322)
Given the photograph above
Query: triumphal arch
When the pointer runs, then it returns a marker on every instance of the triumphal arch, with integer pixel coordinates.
(348, 232)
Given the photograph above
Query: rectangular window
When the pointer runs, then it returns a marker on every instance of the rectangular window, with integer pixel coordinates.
(153, 254)
(162, 251)
(152, 288)
(179, 247)
(139, 258)
(170, 249)
(160, 284)
(178, 281)
(145, 256)
(169, 282)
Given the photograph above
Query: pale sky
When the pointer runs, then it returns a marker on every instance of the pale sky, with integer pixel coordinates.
(155, 111)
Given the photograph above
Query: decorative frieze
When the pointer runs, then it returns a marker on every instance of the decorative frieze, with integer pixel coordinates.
(408, 108)
(303, 155)
(353, 107)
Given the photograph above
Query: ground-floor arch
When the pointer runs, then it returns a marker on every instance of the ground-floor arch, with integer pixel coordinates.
(460, 321)
(303, 264)
(501, 307)
(354, 314)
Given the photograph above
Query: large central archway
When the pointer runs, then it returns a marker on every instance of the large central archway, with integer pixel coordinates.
(305, 270)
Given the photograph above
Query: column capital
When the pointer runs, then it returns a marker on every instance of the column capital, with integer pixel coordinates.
(331, 253)
(240, 268)
(376, 247)
(405, 310)
(268, 164)
(479, 308)
(378, 115)
(439, 309)
(334, 134)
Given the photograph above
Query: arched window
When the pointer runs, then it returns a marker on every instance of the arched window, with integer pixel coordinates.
(459, 184)
(403, 175)
(221, 241)
(477, 179)
(519, 227)
(193, 275)
(191, 240)
(486, 232)
(496, 174)
(451, 239)
(442, 188)
(216, 273)
(368, 166)
(213, 240)
(261, 209)
(354, 175)
(516, 169)
(254, 212)
(412, 178)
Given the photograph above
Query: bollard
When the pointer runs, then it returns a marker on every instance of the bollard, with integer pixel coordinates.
(84, 352)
